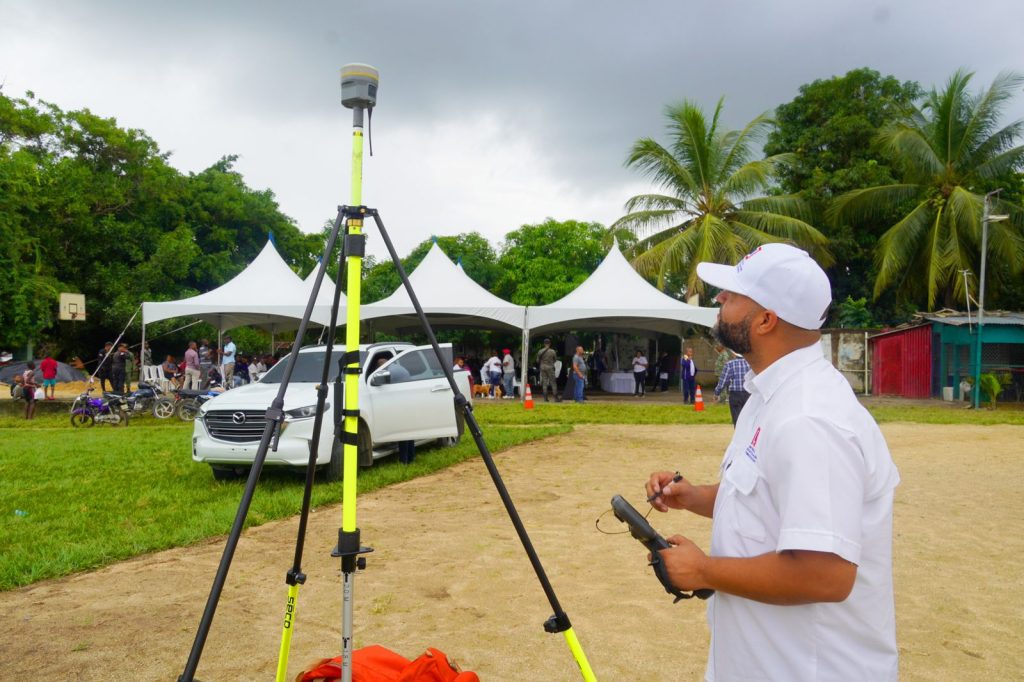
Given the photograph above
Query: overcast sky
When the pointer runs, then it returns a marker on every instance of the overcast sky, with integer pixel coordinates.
(490, 114)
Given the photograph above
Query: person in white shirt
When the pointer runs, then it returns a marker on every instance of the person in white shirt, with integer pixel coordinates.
(227, 360)
(491, 373)
(801, 540)
(639, 373)
(256, 369)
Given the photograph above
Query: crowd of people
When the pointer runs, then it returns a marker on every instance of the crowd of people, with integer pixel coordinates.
(202, 365)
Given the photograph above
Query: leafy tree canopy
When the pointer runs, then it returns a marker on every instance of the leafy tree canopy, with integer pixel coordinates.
(88, 206)
(829, 130)
(713, 205)
(542, 263)
(951, 151)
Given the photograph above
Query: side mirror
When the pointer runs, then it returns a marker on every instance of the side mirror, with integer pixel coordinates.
(380, 378)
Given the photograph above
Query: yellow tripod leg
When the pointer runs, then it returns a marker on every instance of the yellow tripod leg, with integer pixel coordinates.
(286, 633)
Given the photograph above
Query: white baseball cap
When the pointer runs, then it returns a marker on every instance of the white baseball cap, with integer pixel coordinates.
(778, 277)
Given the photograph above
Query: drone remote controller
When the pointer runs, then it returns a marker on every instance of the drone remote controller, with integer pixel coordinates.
(640, 529)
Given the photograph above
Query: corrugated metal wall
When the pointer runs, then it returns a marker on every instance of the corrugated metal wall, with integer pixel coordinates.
(902, 363)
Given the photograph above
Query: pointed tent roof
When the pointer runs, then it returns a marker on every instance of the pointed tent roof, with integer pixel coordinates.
(616, 297)
(449, 298)
(265, 294)
(325, 297)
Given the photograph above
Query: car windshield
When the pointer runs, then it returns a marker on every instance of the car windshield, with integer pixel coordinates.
(309, 367)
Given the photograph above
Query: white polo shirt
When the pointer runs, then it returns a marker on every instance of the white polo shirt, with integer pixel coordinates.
(807, 469)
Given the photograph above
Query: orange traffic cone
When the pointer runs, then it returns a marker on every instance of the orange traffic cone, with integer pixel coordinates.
(528, 400)
(698, 401)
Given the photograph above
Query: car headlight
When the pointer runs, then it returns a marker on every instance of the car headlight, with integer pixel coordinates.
(307, 412)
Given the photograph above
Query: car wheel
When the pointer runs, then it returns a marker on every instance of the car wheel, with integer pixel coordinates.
(332, 472)
(365, 445)
(163, 408)
(223, 473)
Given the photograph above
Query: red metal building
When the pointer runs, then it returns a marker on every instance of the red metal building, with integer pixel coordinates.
(901, 362)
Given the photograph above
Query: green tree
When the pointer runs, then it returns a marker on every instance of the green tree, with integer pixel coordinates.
(91, 207)
(951, 151)
(829, 128)
(471, 249)
(710, 208)
(542, 263)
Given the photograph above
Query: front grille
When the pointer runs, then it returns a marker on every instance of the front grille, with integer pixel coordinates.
(224, 425)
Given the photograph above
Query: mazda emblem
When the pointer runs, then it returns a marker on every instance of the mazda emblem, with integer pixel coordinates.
(238, 417)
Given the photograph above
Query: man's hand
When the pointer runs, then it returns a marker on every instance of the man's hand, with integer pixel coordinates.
(670, 494)
(684, 563)
(681, 494)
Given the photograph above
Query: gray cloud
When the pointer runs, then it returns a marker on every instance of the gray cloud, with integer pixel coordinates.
(568, 84)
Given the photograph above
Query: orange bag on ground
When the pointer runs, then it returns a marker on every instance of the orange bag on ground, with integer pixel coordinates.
(377, 664)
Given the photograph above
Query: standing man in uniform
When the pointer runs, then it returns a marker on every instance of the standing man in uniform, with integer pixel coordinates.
(118, 367)
(103, 365)
(546, 362)
(801, 541)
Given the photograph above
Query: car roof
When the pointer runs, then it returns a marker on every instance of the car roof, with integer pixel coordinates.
(362, 346)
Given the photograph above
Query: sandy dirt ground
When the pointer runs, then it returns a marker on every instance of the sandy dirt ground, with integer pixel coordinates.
(448, 572)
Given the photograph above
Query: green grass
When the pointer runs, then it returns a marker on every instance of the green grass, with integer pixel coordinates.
(100, 495)
(568, 412)
(715, 413)
(947, 415)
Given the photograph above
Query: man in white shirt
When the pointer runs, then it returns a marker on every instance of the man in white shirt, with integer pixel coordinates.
(801, 544)
(492, 373)
(227, 360)
(639, 373)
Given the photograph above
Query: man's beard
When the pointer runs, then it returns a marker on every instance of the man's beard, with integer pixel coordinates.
(733, 335)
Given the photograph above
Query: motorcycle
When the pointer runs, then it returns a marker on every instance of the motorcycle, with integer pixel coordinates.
(150, 398)
(112, 408)
(191, 401)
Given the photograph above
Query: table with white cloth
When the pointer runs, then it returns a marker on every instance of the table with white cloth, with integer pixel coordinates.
(617, 382)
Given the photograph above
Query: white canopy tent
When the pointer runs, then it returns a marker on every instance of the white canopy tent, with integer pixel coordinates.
(615, 297)
(448, 297)
(266, 294)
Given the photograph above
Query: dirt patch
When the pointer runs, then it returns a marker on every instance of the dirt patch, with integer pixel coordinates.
(448, 572)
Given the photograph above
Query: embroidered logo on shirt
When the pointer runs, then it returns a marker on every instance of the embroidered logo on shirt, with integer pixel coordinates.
(751, 451)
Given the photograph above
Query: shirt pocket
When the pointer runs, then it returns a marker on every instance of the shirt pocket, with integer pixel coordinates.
(743, 476)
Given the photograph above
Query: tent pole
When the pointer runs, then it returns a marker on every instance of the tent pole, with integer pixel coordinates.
(142, 348)
(220, 349)
(525, 355)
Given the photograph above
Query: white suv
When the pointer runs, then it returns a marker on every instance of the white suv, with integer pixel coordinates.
(403, 395)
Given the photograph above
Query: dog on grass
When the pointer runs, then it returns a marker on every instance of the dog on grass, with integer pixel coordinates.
(483, 390)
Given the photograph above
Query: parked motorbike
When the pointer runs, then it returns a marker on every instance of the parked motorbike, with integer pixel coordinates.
(112, 408)
(150, 398)
(191, 401)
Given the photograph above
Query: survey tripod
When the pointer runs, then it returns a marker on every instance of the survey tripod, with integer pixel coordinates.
(359, 87)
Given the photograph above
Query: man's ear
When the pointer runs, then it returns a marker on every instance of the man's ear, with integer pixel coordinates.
(765, 322)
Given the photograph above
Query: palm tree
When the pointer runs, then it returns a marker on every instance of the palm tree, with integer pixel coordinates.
(712, 208)
(952, 151)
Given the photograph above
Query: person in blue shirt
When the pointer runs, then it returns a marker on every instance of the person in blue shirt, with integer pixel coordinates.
(731, 380)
